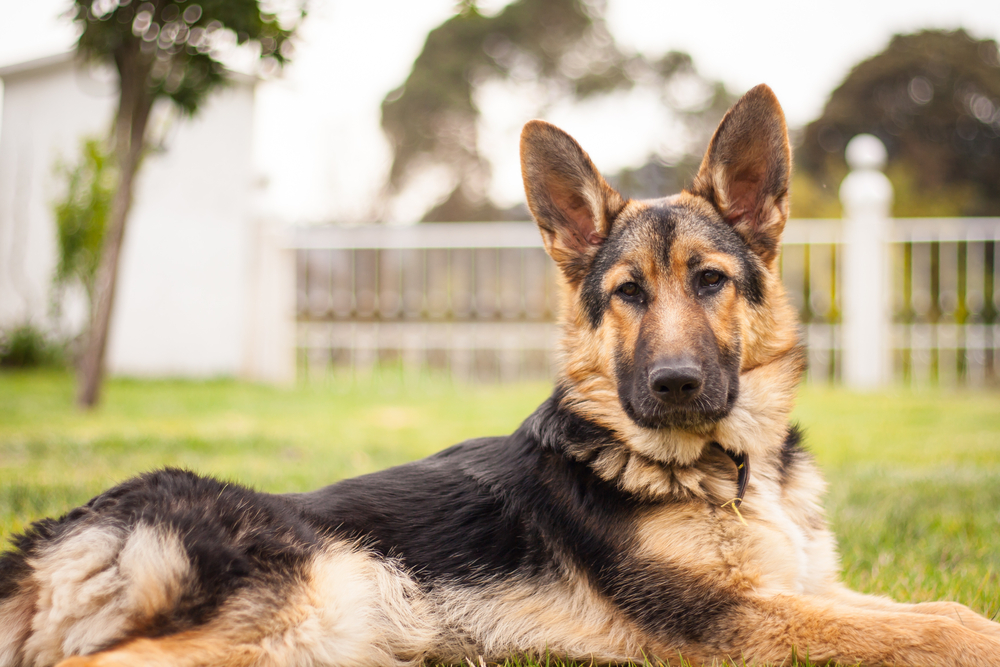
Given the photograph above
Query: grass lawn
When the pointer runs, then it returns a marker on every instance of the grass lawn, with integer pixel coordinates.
(914, 476)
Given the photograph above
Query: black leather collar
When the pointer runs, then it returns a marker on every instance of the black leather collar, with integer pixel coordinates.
(742, 462)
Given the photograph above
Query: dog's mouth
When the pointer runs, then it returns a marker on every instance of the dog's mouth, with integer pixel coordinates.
(691, 389)
(652, 406)
(697, 418)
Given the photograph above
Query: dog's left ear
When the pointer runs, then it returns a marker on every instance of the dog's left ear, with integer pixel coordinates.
(746, 170)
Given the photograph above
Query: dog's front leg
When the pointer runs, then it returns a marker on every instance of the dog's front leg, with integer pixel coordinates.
(774, 629)
(953, 610)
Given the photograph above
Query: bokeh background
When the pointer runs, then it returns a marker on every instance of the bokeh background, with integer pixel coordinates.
(319, 147)
(390, 114)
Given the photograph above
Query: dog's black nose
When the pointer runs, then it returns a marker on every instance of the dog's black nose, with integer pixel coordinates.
(677, 382)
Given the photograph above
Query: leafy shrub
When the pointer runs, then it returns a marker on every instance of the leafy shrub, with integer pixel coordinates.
(82, 214)
(25, 346)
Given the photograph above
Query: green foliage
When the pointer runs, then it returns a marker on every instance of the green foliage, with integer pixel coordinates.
(911, 199)
(656, 178)
(933, 98)
(562, 47)
(82, 214)
(814, 199)
(25, 346)
(177, 43)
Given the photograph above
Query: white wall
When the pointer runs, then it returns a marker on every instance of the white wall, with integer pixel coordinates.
(188, 272)
(186, 257)
(46, 110)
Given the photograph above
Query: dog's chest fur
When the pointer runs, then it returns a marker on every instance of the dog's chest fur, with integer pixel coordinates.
(783, 548)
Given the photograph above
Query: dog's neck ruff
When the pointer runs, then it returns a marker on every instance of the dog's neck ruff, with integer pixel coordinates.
(557, 427)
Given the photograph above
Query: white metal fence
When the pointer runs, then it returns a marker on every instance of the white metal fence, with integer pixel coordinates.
(478, 300)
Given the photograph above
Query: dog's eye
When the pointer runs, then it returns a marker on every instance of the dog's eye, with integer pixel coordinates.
(630, 290)
(710, 281)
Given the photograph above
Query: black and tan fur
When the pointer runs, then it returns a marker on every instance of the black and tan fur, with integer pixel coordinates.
(606, 528)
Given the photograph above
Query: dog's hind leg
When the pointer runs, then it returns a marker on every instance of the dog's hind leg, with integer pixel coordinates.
(15, 626)
(346, 608)
(343, 607)
(187, 649)
(90, 589)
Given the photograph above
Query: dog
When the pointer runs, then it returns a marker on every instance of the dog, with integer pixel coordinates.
(657, 505)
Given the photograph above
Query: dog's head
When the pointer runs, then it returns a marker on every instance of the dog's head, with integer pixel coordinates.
(669, 304)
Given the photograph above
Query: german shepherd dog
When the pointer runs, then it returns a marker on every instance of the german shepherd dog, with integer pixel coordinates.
(658, 505)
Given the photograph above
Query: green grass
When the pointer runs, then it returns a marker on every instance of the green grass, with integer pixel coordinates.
(914, 477)
(914, 494)
(53, 456)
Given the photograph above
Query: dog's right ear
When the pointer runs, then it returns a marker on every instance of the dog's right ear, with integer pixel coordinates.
(572, 203)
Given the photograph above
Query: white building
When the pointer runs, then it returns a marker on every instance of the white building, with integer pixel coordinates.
(200, 285)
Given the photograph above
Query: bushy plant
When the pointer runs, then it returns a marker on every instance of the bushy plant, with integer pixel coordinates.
(82, 214)
(26, 346)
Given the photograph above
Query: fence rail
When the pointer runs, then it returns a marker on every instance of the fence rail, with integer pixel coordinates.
(944, 301)
(479, 300)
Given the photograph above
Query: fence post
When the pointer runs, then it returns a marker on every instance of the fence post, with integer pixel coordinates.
(270, 348)
(866, 195)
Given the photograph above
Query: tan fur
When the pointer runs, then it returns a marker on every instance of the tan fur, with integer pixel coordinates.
(781, 550)
(363, 610)
(99, 583)
(15, 624)
(824, 628)
(564, 618)
(352, 609)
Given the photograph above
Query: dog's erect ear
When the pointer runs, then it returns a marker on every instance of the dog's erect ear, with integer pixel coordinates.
(572, 203)
(746, 170)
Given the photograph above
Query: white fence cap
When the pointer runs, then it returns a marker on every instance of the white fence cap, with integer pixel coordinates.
(865, 151)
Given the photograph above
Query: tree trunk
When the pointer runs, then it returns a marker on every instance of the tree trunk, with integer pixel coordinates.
(135, 102)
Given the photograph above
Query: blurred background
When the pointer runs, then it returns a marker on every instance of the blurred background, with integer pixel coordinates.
(286, 224)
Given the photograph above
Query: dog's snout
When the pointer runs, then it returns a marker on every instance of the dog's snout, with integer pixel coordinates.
(676, 382)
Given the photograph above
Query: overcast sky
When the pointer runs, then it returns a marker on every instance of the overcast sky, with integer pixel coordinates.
(318, 140)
